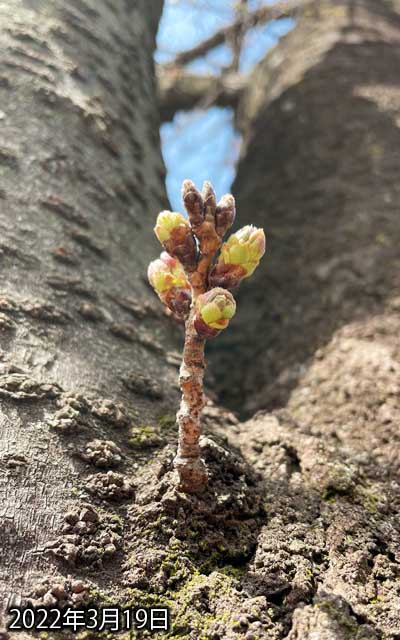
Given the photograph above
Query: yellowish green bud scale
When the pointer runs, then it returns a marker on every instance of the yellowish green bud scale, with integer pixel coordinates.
(166, 222)
(214, 309)
(165, 273)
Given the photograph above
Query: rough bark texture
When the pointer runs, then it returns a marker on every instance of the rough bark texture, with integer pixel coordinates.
(320, 159)
(84, 349)
(316, 336)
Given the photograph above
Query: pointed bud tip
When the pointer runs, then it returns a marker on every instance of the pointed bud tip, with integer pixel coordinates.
(189, 190)
(208, 189)
(225, 214)
(168, 260)
(227, 200)
(193, 201)
(188, 184)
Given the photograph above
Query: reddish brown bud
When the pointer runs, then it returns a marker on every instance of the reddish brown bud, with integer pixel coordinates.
(225, 214)
(182, 245)
(228, 276)
(193, 201)
(178, 300)
(210, 202)
(203, 329)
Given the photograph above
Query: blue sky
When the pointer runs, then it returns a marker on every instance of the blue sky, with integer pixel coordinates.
(203, 145)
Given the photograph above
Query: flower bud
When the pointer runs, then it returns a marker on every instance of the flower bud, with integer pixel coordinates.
(167, 221)
(194, 204)
(174, 233)
(165, 273)
(178, 300)
(214, 309)
(225, 214)
(167, 277)
(210, 203)
(240, 256)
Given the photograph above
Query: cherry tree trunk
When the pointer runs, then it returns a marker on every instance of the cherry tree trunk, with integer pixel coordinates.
(315, 345)
(84, 347)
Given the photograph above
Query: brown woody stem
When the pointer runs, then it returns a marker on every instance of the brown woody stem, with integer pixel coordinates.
(191, 468)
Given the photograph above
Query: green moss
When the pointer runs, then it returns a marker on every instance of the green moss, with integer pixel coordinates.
(177, 568)
(368, 496)
(347, 624)
(212, 561)
(329, 495)
(139, 598)
(94, 635)
(166, 421)
(144, 436)
(112, 518)
(101, 599)
(186, 617)
(184, 613)
(371, 501)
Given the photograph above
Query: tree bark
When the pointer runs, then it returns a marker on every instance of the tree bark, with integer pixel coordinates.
(84, 348)
(318, 167)
(316, 336)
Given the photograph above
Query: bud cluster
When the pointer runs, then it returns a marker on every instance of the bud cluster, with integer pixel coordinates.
(186, 268)
(203, 208)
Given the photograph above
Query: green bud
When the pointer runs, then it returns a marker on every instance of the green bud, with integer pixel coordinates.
(166, 272)
(240, 255)
(167, 277)
(214, 309)
(166, 222)
(175, 234)
(245, 248)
